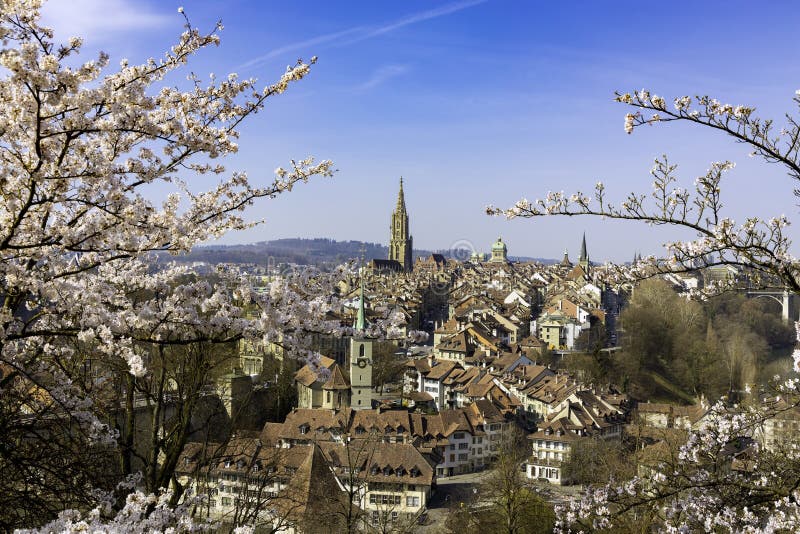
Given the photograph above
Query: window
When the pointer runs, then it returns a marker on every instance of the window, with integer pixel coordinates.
(379, 498)
(361, 350)
(463, 446)
(452, 446)
(462, 457)
(458, 435)
(394, 516)
(412, 501)
(226, 501)
(452, 457)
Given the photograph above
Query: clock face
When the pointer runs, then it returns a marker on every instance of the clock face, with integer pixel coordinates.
(362, 363)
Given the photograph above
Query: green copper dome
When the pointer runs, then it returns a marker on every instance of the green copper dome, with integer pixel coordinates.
(499, 245)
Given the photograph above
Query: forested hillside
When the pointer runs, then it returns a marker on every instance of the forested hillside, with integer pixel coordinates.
(315, 251)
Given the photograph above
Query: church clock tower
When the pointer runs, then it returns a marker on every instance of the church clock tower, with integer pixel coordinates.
(400, 244)
(360, 360)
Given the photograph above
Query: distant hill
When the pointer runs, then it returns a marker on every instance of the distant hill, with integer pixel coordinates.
(317, 251)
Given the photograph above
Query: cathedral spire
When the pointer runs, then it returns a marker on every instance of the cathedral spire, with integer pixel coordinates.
(400, 242)
(401, 199)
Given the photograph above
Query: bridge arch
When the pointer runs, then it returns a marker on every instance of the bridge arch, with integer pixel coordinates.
(781, 297)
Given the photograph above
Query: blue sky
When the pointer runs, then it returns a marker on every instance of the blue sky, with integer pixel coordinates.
(476, 103)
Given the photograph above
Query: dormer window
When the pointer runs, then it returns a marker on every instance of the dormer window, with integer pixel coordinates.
(387, 471)
(304, 429)
(227, 463)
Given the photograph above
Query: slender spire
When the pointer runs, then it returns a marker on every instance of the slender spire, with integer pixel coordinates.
(361, 322)
(584, 256)
(401, 199)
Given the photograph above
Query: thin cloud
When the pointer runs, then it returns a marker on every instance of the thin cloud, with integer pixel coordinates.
(361, 33)
(383, 74)
(102, 19)
(322, 39)
(423, 16)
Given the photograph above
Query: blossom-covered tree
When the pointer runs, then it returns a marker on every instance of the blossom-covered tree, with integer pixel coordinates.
(85, 316)
(723, 478)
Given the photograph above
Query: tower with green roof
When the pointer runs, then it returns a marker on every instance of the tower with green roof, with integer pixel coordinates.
(360, 358)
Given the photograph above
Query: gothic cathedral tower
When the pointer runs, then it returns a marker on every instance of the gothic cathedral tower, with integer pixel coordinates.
(360, 360)
(400, 244)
